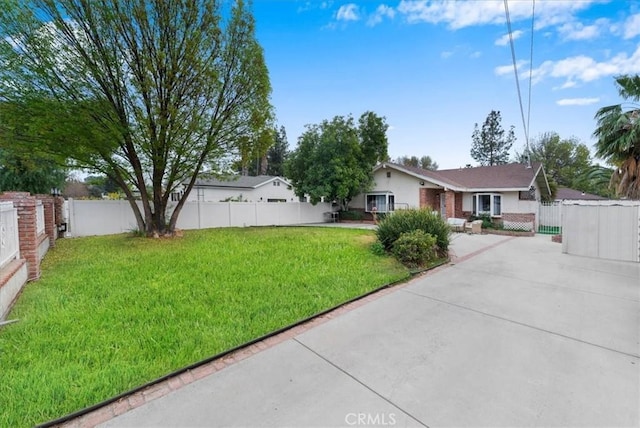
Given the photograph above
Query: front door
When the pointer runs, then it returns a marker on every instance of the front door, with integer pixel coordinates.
(443, 205)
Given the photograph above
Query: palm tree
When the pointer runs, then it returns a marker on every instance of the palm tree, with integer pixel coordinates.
(618, 135)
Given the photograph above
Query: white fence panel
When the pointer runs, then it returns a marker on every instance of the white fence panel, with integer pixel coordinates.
(9, 238)
(39, 218)
(99, 217)
(602, 229)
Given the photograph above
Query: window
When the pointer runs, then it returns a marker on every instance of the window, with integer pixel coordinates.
(276, 200)
(175, 196)
(276, 183)
(487, 204)
(383, 202)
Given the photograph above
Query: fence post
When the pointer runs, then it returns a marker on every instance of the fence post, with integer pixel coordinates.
(27, 230)
(50, 228)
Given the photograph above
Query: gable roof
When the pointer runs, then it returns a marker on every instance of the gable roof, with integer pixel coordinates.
(573, 194)
(483, 178)
(239, 181)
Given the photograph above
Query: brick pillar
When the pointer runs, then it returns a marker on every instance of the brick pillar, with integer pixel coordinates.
(59, 218)
(50, 228)
(27, 228)
(450, 203)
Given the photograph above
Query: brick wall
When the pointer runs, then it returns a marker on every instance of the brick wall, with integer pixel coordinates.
(458, 213)
(50, 227)
(450, 200)
(430, 198)
(520, 217)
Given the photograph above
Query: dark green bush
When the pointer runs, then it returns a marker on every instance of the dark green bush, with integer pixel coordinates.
(487, 222)
(402, 221)
(414, 249)
(351, 215)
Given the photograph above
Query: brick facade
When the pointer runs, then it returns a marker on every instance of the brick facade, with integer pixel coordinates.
(519, 217)
(430, 198)
(450, 201)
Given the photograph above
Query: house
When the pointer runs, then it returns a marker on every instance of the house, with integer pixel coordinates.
(507, 193)
(263, 188)
(568, 194)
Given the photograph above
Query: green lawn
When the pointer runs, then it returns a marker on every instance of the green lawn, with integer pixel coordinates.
(112, 313)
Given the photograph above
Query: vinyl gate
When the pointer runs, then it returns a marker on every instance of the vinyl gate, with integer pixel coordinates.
(602, 229)
(550, 218)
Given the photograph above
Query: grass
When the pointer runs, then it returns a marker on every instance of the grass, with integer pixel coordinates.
(112, 313)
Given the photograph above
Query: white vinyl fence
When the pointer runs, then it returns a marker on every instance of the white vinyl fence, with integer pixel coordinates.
(39, 218)
(101, 217)
(602, 229)
(9, 242)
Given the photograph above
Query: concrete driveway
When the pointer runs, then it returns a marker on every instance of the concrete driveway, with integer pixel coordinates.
(513, 333)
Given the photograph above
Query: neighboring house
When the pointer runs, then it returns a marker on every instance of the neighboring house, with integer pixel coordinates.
(567, 194)
(263, 188)
(504, 192)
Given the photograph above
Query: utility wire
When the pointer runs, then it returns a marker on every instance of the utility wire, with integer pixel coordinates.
(533, 14)
(525, 123)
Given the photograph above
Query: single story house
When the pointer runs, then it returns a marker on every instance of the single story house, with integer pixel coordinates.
(262, 188)
(507, 193)
(568, 194)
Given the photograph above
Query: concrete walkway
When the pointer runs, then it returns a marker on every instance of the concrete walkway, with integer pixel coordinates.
(513, 333)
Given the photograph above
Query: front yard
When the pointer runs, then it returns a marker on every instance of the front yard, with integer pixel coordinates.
(112, 313)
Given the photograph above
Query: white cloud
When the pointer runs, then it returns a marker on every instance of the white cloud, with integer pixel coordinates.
(577, 101)
(460, 14)
(632, 26)
(348, 12)
(508, 69)
(383, 11)
(585, 69)
(504, 40)
(476, 54)
(578, 31)
(446, 54)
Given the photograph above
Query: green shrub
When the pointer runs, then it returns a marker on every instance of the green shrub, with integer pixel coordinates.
(414, 249)
(487, 222)
(351, 215)
(402, 221)
(378, 249)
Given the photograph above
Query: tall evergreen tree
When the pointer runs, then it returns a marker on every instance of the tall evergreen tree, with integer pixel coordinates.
(278, 153)
(491, 144)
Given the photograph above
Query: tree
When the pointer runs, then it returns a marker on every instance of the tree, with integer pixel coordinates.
(565, 161)
(618, 134)
(278, 153)
(33, 173)
(148, 92)
(335, 159)
(491, 145)
(98, 185)
(425, 162)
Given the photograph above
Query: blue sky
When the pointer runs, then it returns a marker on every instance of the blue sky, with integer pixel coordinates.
(434, 68)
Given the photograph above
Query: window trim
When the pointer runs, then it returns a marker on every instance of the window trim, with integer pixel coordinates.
(492, 204)
(389, 201)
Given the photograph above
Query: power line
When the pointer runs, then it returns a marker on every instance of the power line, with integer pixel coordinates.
(525, 123)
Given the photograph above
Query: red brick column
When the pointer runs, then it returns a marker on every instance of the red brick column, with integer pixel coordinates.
(27, 228)
(50, 228)
(59, 218)
(429, 199)
(450, 203)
